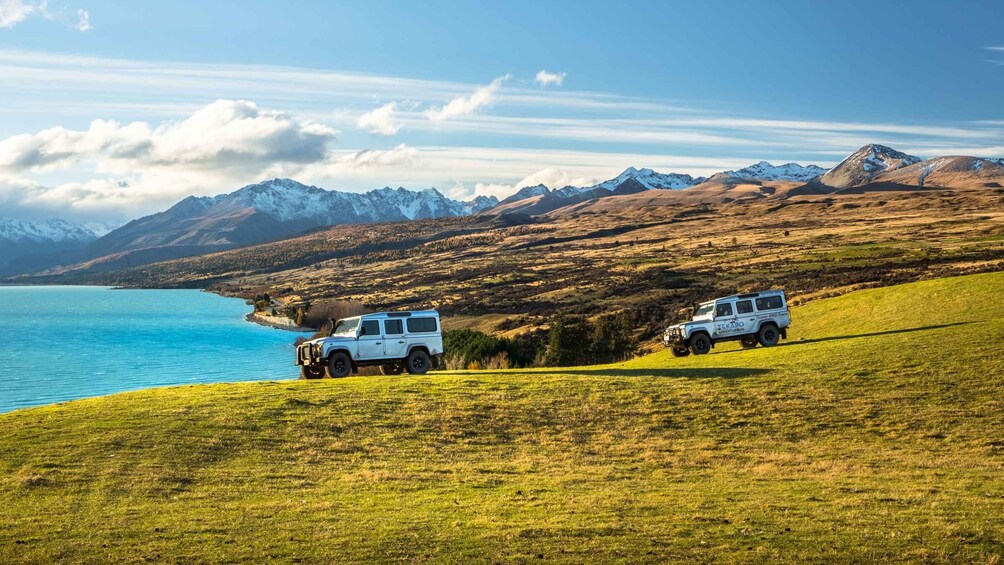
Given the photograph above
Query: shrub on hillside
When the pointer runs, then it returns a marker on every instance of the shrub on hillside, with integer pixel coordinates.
(574, 340)
(468, 348)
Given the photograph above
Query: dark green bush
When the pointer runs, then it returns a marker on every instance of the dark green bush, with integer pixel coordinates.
(466, 347)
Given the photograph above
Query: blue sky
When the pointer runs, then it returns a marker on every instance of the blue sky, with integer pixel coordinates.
(203, 97)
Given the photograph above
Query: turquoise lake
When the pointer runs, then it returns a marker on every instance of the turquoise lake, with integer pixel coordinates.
(59, 343)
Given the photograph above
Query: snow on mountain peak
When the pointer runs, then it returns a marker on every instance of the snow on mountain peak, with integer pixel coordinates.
(789, 171)
(649, 179)
(55, 230)
(287, 200)
(874, 158)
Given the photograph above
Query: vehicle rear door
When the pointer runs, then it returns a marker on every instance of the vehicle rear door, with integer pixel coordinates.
(371, 342)
(395, 344)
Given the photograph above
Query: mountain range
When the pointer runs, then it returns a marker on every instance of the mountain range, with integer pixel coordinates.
(26, 238)
(282, 208)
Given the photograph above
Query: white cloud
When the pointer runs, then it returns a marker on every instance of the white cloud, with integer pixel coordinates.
(464, 105)
(545, 78)
(550, 177)
(83, 21)
(368, 165)
(146, 167)
(380, 121)
(499, 191)
(13, 12)
(226, 133)
(554, 178)
(458, 191)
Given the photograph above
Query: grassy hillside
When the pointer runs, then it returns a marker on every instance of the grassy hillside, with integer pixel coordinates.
(876, 432)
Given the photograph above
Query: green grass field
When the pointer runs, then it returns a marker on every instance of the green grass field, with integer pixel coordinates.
(875, 433)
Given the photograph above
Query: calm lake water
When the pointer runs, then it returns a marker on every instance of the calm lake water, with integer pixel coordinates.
(63, 342)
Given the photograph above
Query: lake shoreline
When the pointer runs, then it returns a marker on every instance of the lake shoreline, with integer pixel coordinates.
(255, 319)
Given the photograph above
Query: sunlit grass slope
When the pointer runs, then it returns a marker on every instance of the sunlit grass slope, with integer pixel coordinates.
(875, 432)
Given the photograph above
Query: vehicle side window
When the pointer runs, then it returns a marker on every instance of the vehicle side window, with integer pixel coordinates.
(723, 310)
(421, 325)
(768, 303)
(744, 307)
(393, 327)
(370, 327)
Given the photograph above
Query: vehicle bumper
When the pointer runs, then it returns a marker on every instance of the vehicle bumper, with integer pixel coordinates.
(674, 338)
(308, 354)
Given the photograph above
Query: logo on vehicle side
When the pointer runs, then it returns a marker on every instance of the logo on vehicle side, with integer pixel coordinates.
(730, 326)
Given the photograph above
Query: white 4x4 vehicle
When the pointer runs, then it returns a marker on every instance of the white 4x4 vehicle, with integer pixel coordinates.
(396, 341)
(757, 317)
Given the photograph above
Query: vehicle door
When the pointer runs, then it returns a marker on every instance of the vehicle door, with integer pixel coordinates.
(746, 317)
(395, 344)
(371, 342)
(726, 323)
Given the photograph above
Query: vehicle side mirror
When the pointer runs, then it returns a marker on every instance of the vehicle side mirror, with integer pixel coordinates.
(362, 331)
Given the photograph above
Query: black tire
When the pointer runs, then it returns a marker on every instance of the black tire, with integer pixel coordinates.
(680, 352)
(700, 344)
(339, 365)
(768, 335)
(395, 369)
(311, 372)
(748, 342)
(418, 362)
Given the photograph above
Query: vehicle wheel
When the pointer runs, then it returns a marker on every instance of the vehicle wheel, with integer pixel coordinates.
(312, 372)
(748, 342)
(418, 362)
(339, 365)
(700, 344)
(768, 335)
(680, 352)
(395, 369)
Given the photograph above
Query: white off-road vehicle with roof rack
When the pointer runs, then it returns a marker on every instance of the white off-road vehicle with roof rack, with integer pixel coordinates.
(756, 317)
(395, 341)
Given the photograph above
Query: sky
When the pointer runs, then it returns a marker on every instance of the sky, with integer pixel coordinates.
(112, 110)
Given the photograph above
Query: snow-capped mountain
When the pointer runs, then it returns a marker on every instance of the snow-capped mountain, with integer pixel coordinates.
(25, 238)
(948, 172)
(56, 231)
(527, 192)
(286, 200)
(650, 179)
(766, 171)
(272, 210)
(865, 164)
(540, 199)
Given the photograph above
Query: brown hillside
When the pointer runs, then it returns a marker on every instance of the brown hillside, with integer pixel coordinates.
(651, 258)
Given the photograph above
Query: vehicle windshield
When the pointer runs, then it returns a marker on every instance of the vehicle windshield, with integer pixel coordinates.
(704, 310)
(346, 326)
